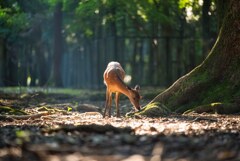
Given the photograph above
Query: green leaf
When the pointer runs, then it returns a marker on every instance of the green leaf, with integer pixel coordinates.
(69, 109)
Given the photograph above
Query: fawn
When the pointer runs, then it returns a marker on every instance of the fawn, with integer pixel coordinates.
(113, 79)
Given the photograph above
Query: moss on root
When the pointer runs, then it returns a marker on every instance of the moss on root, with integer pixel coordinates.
(155, 109)
(199, 93)
(222, 92)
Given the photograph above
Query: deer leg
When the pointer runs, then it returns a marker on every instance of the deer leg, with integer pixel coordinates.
(110, 104)
(117, 103)
(106, 103)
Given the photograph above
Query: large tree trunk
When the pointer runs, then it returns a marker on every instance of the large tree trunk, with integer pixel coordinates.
(213, 86)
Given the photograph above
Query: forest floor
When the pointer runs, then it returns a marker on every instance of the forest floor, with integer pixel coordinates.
(60, 127)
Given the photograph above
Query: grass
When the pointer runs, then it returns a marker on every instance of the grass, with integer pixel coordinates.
(92, 94)
(50, 90)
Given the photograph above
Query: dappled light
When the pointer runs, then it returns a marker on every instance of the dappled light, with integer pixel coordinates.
(66, 128)
(69, 43)
(117, 80)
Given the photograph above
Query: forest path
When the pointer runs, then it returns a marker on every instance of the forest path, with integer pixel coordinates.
(74, 130)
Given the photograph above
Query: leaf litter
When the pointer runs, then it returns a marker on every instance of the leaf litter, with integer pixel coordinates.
(73, 132)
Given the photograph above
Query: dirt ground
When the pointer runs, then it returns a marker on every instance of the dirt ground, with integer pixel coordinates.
(66, 128)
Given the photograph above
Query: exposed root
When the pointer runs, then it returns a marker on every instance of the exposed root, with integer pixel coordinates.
(217, 107)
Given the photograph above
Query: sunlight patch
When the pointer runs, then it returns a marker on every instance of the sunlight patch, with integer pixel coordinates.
(127, 79)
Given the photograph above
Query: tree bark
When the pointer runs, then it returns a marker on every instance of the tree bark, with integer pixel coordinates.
(180, 46)
(205, 26)
(42, 64)
(1, 61)
(10, 63)
(168, 61)
(216, 80)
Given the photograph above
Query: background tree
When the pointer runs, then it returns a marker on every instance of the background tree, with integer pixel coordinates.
(58, 44)
(43, 44)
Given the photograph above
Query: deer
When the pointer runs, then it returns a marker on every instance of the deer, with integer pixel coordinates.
(113, 79)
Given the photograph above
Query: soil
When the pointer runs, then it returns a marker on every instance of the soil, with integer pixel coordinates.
(70, 129)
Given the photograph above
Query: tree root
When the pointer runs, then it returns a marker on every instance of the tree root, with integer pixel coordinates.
(217, 107)
(199, 92)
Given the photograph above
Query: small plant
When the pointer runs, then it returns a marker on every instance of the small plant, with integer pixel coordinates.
(22, 136)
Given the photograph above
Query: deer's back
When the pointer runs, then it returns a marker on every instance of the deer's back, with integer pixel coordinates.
(112, 74)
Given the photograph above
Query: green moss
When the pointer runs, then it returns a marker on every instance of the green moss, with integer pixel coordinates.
(196, 79)
(237, 94)
(199, 92)
(155, 109)
(220, 92)
(199, 76)
(201, 89)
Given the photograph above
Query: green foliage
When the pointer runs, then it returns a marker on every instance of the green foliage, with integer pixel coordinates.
(101, 13)
(16, 17)
(192, 9)
(12, 20)
(27, 27)
(69, 109)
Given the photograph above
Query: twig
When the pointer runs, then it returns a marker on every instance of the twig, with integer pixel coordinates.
(205, 119)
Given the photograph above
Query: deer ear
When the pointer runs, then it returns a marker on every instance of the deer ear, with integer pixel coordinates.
(137, 87)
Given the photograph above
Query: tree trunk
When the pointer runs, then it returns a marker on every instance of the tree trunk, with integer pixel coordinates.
(167, 32)
(134, 63)
(151, 61)
(222, 6)
(58, 45)
(168, 61)
(152, 53)
(10, 63)
(1, 62)
(205, 26)
(213, 86)
(22, 68)
(42, 64)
